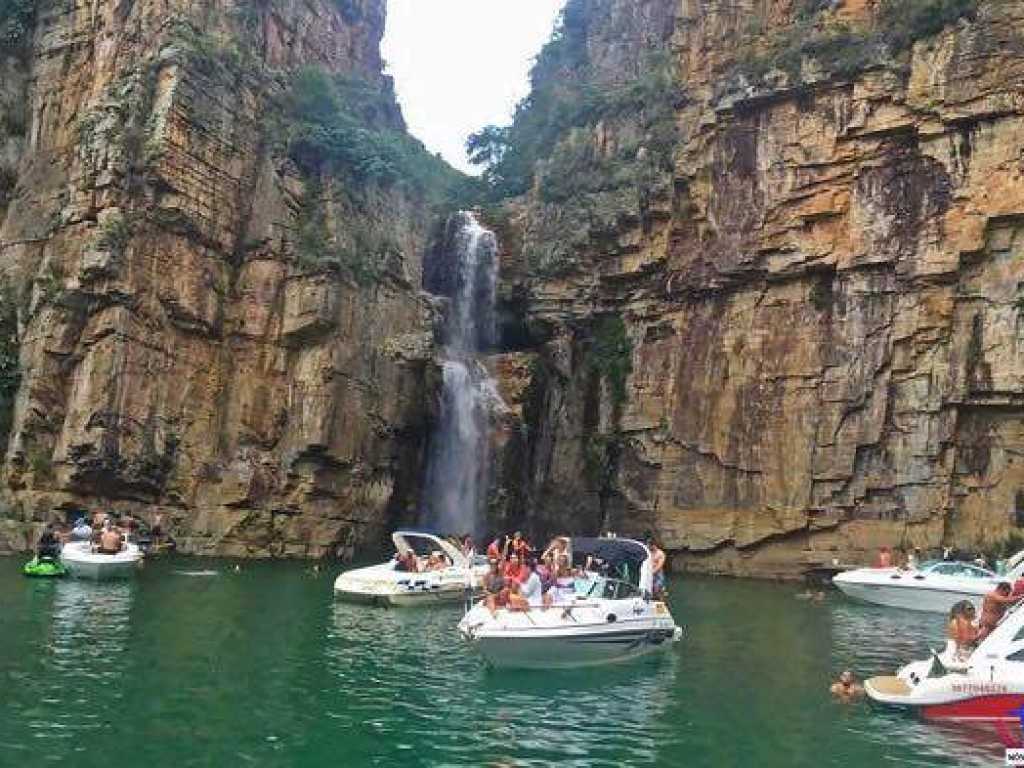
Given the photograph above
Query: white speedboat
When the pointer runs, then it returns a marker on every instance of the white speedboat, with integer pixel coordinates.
(987, 686)
(608, 620)
(84, 561)
(935, 586)
(393, 584)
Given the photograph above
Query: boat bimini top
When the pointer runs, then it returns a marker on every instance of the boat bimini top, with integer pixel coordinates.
(619, 555)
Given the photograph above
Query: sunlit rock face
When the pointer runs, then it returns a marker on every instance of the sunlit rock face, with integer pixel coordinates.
(177, 357)
(822, 300)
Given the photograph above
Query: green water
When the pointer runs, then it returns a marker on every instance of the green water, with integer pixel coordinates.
(263, 668)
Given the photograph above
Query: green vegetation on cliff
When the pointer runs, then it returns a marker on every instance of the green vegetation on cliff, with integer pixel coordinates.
(10, 369)
(611, 356)
(350, 128)
(844, 50)
(16, 20)
(565, 95)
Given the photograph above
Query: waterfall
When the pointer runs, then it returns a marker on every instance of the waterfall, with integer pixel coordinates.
(459, 461)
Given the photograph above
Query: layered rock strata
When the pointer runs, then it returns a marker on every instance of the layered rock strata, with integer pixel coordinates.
(822, 300)
(178, 356)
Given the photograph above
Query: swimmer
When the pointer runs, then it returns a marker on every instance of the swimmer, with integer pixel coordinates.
(847, 688)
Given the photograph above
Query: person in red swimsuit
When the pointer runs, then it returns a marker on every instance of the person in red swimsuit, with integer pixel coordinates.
(515, 570)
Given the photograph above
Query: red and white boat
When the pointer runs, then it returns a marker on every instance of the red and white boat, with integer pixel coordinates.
(985, 687)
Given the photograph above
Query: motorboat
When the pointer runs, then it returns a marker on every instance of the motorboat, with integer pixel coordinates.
(610, 618)
(84, 561)
(394, 584)
(986, 686)
(935, 586)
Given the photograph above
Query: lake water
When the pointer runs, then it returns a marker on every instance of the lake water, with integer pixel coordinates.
(196, 665)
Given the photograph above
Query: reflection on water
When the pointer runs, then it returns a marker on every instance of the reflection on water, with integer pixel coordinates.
(79, 667)
(261, 667)
(409, 679)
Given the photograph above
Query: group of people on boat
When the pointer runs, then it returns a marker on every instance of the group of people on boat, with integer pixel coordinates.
(107, 534)
(410, 562)
(966, 629)
(521, 579)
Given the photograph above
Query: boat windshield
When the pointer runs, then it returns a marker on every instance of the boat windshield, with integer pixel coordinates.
(606, 589)
(961, 570)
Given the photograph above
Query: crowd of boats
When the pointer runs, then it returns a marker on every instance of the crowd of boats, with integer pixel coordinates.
(588, 601)
(583, 601)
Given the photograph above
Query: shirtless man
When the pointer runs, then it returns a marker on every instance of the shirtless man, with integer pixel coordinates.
(993, 607)
(110, 539)
(847, 689)
(657, 567)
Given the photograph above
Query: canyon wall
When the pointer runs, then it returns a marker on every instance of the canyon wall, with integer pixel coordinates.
(791, 331)
(213, 326)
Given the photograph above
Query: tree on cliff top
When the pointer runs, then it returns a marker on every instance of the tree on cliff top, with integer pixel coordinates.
(352, 128)
(509, 153)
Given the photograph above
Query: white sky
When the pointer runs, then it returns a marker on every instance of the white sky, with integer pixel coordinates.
(462, 64)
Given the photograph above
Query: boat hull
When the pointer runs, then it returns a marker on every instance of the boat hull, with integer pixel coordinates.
(961, 698)
(909, 598)
(401, 599)
(81, 563)
(543, 651)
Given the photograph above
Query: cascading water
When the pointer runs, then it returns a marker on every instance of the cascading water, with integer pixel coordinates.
(459, 462)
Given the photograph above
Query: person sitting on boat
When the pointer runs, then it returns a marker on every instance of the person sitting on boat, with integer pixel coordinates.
(81, 531)
(993, 607)
(493, 581)
(127, 524)
(110, 539)
(565, 583)
(533, 589)
(546, 570)
(961, 629)
(557, 547)
(496, 549)
(407, 562)
(847, 688)
(436, 561)
(520, 546)
(516, 600)
(515, 570)
(884, 558)
(49, 543)
(468, 548)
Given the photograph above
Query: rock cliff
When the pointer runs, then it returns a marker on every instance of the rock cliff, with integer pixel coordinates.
(773, 306)
(211, 238)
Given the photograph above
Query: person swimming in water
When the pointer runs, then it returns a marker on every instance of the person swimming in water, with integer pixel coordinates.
(846, 688)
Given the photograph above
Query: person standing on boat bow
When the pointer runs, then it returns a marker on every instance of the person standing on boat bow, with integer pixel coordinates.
(657, 567)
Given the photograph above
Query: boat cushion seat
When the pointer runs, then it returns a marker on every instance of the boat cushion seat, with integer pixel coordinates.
(890, 686)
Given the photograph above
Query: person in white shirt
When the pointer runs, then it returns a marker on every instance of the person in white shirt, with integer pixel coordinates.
(532, 589)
